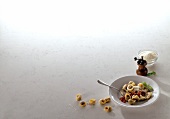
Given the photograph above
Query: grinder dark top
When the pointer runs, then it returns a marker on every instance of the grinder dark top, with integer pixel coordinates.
(142, 70)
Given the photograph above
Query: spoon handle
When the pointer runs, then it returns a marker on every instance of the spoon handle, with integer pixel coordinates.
(103, 83)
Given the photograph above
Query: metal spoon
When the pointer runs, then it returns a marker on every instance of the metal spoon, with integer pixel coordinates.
(105, 84)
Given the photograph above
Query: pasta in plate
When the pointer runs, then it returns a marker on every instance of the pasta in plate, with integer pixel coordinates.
(136, 92)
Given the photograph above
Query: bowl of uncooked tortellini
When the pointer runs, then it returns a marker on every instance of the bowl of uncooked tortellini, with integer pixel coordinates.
(134, 91)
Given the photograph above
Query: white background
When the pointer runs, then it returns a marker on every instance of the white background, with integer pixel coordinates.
(52, 50)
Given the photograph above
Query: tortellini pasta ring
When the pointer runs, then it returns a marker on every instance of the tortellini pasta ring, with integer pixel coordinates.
(142, 97)
(82, 104)
(102, 101)
(131, 102)
(130, 88)
(92, 101)
(141, 86)
(108, 108)
(149, 95)
(125, 87)
(132, 83)
(107, 99)
(78, 97)
(135, 97)
(127, 96)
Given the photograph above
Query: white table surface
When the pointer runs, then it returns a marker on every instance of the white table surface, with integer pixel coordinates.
(52, 50)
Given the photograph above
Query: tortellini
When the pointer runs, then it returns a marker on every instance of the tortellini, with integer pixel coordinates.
(130, 88)
(132, 83)
(78, 97)
(133, 93)
(131, 102)
(102, 101)
(108, 108)
(135, 97)
(127, 96)
(141, 86)
(82, 104)
(107, 99)
(92, 101)
(125, 87)
(142, 97)
(149, 95)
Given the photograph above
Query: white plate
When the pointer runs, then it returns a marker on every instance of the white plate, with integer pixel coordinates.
(115, 95)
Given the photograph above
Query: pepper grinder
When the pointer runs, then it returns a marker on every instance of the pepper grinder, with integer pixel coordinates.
(142, 70)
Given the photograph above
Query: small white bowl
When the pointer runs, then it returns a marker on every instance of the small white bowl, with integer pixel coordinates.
(118, 83)
(150, 56)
